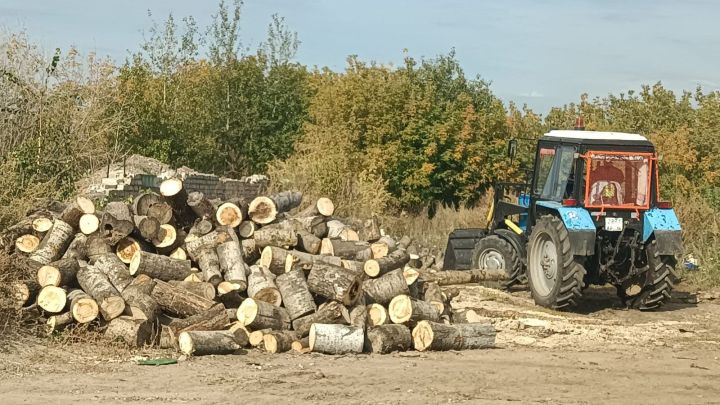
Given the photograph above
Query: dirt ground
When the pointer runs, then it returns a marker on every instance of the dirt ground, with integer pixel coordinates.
(597, 354)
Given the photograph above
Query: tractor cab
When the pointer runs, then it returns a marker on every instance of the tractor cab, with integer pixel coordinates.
(588, 214)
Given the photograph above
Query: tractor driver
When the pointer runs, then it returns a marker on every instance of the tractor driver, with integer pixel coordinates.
(606, 187)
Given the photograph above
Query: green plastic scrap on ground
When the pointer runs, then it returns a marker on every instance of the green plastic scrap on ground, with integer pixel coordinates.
(157, 362)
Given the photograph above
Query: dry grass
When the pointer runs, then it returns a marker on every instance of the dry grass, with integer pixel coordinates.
(701, 238)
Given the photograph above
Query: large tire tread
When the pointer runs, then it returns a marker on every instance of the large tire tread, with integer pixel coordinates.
(660, 281)
(514, 267)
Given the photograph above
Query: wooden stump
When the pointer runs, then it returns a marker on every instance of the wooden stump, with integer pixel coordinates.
(115, 270)
(75, 209)
(377, 315)
(395, 260)
(331, 312)
(275, 236)
(96, 284)
(335, 283)
(232, 265)
(200, 343)
(295, 294)
(437, 336)
(58, 273)
(278, 341)
(52, 299)
(159, 267)
(205, 290)
(229, 214)
(323, 206)
(262, 287)
(349, 250)
(405, 309)
(27, 243)
(116, 222)
(390, 338)
(256, 314)
(383, 289)
(54, 243)
(200, 205)
(178, 301)
(134, 332)
(89, 224)
(336, 339)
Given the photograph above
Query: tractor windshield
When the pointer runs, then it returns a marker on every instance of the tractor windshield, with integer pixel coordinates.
(618, 179)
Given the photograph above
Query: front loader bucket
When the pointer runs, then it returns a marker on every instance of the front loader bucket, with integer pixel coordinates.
(460, 246)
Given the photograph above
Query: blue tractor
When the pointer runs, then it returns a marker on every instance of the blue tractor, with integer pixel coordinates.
(589, 214)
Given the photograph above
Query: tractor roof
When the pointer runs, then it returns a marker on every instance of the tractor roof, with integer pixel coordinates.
(595, 138)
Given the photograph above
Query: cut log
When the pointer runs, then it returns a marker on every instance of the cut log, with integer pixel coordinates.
(335, 283)
(75, 209)
(229, 295)
(209, 265)
(200, 343)
(379, 250)
(415, 285)
(455, 277)
(54, 243)
(308, 242)
(117, 222)
(96, 284)
(370, 231)
(336, 339)
(274, 259)
(167, 339)
(395, 260)
(142, 202)
(377, 315)
(264, 210)
(301, 345)
(214, 318)
(468, 336)
(23, 294)
(232, 315)
(355, 266)
(126, 249)
(96, 246)
(323, 206)
(434, 296)
(76, 248)
(250, 251)
(275, 236)
(42, 224)
(178, 254)
(175, 194)
(306, 260)
(83, 307)
(147, 227)
(261, 286)
(178, 301)
(383, 289)
(57, 323)
(255, 314)
(278, 341)
(316, 225)
(359, 316)
(134, 332)
(194, 277)
(403, 309)
(390, 338)
(166, 236)
(61, 272)
(201, 205)
(159, 267)
(229, 214)
(27, 243)
(331, 312)
(404, 242)
(138, 302)
(246, 229)
(349, 250)
(52, 299)
(89, 224)
(255, 338)
(466, 316)
(411, 275)
(232, 265)
(201, 227)
(205, 290)
(195, 246)
(295, 294)
(162, 212)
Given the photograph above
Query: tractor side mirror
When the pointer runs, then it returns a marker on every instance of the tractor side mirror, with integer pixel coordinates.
(512, 148)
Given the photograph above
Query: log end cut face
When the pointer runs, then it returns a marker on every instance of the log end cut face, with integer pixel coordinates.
(166, 236)
(262, 210)
(400, 309)
(171, 187)
(89, 223)
(377, 315)
(42, 224)
(52, 299)
(247, 312)
(49, 275)
(85, 310)
(27, 243)
(422, 336)
(85, 204)
(126, 249)
(325, 206)
(229, 214)
(135, 262)
(186, 344)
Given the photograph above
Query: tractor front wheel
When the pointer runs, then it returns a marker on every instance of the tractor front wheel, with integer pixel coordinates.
(495, 253)
(555, 277)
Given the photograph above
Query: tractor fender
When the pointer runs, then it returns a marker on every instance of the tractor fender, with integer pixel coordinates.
(579, 224)
(663, 224)
(518, 242)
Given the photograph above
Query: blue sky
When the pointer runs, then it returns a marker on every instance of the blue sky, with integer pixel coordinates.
(542, 53)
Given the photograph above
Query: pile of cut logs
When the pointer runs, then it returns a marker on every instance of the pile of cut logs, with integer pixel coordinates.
(211, 277)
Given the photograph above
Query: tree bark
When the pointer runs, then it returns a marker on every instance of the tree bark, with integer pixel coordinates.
(383, 289)
(9, 236)
(434, 296)
(466, 316)
(371, 230)
(256, 315)
(262, 287)
(54, 243)
(301, 345)
(160, 267)
(315, 225)
(147, 227)
(214, 318)
(377, 315)
(201, 205)
(134, 332)
(232, 265)
(75, 209)
(390, 338)
(24, 293)
(83, 308)
(404, 242)
(308, 242)
(436, 336)
(61, 272)
(176, 196)
(359, 316)
(335, 283)
(323, 206)
(331, 312)
(76, 248)
(278, 341)
(162, 212)
(274, 259)
(395, 260)
(200, 343)
(336, 339)
(209, 265)
(404, 309)
(96, 246)
(52, 299)
(201, 227)
(203, 289)
(275, 236)
(178, 301)
(95, 283)
(295, 294)
(142, 202)
(115, 270)
(195, 246)
(306, 260)
(116, 222)
(127, 247)
(57, 323)
(138, 302)
(250, 251)
(349, 250)
(454, 277)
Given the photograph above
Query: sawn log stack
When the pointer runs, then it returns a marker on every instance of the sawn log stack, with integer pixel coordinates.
(179, 270)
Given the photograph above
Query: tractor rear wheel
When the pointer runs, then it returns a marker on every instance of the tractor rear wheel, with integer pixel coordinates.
(660, 279)
(495, 253)
(555, 277)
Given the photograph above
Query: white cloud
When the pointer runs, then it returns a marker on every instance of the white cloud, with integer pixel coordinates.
(532, 94)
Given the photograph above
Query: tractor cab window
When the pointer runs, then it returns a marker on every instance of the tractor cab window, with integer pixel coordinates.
(618, 179)
(554, 171)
